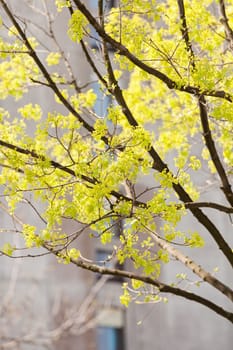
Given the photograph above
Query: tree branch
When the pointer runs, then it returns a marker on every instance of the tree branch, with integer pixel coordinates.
(43, 70)
(122, 50)
(120, 196)
(158, 164)
(193, 266)
(216, 206)
(185, 33)
(162, 287)
(66, 169)
(225, 21)
(226, 186)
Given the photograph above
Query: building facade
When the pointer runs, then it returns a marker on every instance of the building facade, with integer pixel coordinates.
(46, 304)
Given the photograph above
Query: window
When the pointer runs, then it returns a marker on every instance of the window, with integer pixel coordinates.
(110, 338)
(110, 314)
(110, 330)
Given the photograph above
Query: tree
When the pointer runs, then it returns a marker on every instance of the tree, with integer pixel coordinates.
(171, 124)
